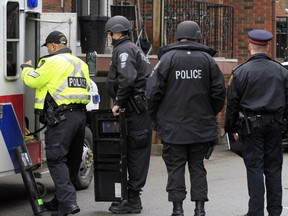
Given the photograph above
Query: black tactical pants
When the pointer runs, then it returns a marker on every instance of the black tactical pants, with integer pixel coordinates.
(64, 147)
(262, 154)
(138, 149)
(175, 157)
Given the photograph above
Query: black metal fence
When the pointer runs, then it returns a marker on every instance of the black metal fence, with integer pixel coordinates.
(215, 21)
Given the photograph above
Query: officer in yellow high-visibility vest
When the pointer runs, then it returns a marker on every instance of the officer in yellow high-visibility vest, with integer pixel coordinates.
(62, 85)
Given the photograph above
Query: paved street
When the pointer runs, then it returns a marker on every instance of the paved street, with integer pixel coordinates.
(227, 190)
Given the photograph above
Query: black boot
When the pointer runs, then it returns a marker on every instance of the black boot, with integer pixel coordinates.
(199, 208)
(51, 205)
(132, 205)
(177, 209)
(116, 203)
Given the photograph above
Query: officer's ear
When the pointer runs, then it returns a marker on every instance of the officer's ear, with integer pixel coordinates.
(56, 47)
(250, 47)
(267, 48)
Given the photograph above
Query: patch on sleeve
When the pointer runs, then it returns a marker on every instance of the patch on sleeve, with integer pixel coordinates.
(123, 58)
(33, 74)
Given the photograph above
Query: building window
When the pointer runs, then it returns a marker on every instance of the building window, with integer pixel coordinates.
(12, 39)
(281, 38)
(81, 7)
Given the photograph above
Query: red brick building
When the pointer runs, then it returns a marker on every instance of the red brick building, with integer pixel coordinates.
(254, 14)
(248, 14)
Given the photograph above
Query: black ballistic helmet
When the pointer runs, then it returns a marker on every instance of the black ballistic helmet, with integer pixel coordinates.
(117, 24)
(189, 30)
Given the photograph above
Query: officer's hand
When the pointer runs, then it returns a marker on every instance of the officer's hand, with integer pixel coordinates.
(115, 110)
(234, 136)
(28, 62)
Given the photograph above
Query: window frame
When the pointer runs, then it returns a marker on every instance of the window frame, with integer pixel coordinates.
(15, 40)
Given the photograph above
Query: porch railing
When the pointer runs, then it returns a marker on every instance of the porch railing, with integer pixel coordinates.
(215, 21)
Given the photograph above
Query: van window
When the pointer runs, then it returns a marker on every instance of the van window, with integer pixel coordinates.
(12, 39)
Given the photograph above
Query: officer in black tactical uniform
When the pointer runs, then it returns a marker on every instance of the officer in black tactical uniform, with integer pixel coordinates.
(256, 104)
(126, 83)
(184, 94)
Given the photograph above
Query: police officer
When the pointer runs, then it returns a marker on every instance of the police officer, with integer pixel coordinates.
(258, 94)
(61, 81)
(126, 83)
(184, 94)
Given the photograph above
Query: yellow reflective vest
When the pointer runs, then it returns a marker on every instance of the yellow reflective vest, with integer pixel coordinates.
(64, 76)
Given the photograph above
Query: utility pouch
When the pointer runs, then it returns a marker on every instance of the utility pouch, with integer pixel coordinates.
(140, 101)
(53, 118)
(254, 121)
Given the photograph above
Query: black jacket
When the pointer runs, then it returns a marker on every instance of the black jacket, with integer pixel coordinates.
(128, 72)
(259, 86)
(185, 92)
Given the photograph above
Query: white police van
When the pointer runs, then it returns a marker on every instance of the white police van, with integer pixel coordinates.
(19, 42)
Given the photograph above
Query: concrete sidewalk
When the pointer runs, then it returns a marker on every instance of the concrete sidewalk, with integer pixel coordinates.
(228, 194)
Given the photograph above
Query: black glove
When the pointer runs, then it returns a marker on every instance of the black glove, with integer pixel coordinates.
(210, 149)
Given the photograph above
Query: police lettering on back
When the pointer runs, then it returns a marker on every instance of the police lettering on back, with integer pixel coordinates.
(188, 74)
(77, 82)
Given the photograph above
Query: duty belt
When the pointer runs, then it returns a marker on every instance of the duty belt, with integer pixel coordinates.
(259, 120)
(71, 107)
